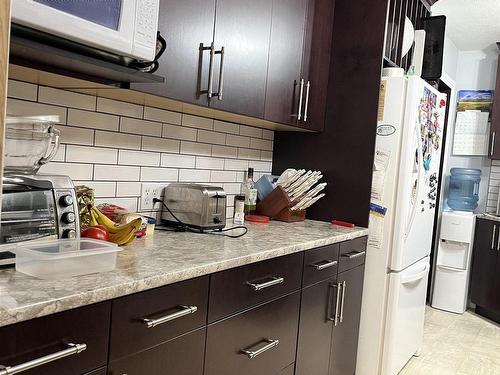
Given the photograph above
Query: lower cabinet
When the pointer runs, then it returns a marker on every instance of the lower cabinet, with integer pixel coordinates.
(259, 341)
(181, 356)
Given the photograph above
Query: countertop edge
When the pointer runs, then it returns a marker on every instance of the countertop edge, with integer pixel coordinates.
(77, 300)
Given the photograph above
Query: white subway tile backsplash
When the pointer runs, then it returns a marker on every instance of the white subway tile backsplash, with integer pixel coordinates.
(141, 158)
(82, 154)
(209, 163)
(197, 122)
(159, 174)
(66, 98)
(136, 126)
(128, 189)
(116, 107)
(162, 115)
(160, 144)
(92, 120)
(179, 132)
(114, 147)
(73, 170)
(196, 148)
(194, 175)
(22, 90)
(178, 161)
(120, 140)
(116, 173)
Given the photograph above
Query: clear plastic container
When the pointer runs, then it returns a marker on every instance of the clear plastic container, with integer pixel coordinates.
(463, 194)
(57, 259)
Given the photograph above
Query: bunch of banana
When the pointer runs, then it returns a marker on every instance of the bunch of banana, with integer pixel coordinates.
(120, 234)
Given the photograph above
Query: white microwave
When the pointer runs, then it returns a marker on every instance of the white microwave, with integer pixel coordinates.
(121, 27)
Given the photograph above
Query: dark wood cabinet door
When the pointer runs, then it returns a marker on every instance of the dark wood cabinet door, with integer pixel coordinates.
(186, 25)
(485, 256)
(99, 371)
(285, 61)
(181, 356)
(315, 329)
(494, 148)
(316, 62)
(345, 334)
(269, 331)
(243, 28)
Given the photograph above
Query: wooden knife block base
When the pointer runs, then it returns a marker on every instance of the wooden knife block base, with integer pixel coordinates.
(290, 216)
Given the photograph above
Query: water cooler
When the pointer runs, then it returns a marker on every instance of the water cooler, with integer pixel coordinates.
(453, 263)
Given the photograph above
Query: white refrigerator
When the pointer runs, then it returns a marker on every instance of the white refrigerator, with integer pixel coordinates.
(405, 184)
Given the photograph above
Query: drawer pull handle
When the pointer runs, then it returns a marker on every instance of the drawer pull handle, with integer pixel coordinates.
(254, 353)
(267, 284)
(70, 350)
(324, 264)
(184, 310)
(354, 254)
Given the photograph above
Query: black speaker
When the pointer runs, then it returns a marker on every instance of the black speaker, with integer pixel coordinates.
(434, 27)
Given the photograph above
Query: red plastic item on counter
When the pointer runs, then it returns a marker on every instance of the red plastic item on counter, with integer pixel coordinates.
(343, 224)
(257, 218)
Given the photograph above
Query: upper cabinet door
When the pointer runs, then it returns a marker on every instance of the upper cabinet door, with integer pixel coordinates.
(494, 148)
(285, 60)
(316, 63)
(187, 26)
(242, 30)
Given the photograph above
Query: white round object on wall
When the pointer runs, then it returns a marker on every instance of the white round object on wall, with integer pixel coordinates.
(408, 36)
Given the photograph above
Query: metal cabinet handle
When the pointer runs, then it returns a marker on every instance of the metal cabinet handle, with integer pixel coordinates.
(322, 265)
(493, 237)
(354, 254)
(308, 86)
(266, 284)
(301, 96)
(254, 353)
(344, 286)
(70, 350)
(335, 318)
(221, 73)
(184, 310)
(492, 148)
(210, 69)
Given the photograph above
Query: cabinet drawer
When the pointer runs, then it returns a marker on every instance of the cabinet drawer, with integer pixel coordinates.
(38, 338)
(149, 318)
(352, 253)
(236, 289)
(267, 333)
(181, 356)
(320, 264)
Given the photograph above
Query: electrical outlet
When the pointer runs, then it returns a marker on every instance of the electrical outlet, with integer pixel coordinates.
(148, 192)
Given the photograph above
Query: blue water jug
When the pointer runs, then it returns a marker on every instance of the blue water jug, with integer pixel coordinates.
(463, 194)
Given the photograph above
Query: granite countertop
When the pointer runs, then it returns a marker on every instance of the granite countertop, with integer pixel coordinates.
(165, 258)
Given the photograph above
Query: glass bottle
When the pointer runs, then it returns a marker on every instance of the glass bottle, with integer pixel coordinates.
(249, 190)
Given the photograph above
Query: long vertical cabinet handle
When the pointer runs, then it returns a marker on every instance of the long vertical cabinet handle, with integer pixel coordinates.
(492, 148)
(211, 71)
(335, 318)
(493, 236)
(308, 86)
(344, 286)
(221, 73)
(301, 96)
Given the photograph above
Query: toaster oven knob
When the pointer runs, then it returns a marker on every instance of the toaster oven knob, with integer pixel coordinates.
(69, 233)
(66, 200)
(68, 217)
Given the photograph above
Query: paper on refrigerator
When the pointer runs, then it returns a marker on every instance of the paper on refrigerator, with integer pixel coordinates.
(376, 226)
(380, 165)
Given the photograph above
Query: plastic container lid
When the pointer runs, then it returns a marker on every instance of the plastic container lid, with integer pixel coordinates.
(65, 248)
(465, 171)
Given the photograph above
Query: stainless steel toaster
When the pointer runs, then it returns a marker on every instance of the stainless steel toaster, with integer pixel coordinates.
(198, 206)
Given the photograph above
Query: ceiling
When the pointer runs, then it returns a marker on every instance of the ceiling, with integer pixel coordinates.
(471, 24)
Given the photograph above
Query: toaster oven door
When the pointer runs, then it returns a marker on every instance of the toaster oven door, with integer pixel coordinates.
(27, 215)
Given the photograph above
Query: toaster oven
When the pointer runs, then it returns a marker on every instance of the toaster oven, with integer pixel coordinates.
(34, 208)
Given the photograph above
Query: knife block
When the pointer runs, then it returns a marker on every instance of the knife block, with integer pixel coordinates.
(289, 216)
(275, 202)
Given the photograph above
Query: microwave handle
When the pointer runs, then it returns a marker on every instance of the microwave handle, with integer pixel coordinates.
(25, 181)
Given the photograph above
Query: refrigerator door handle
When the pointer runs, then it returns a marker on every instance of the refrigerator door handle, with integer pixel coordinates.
(452, 269)
(416, 276)
(419, 177)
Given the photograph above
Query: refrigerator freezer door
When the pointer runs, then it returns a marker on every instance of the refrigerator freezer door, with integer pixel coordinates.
(418, 174)
(405, 316)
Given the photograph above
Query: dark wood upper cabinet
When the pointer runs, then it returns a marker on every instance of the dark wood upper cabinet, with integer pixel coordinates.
(285, 60)
(186, 26)
(316, 63)
(494, 148)
(243, 29)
